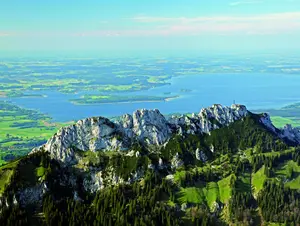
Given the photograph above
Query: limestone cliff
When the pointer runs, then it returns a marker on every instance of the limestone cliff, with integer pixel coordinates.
(148, 127)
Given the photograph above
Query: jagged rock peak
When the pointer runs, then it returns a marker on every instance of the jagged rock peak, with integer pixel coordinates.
(221, 113)
(148, 127)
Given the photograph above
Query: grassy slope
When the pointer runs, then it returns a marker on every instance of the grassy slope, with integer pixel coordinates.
(178, 175)
(5, 173)
(258, 179)
(280, 173)
(283, 171)
(294, 184)
(40, 172)
(221, 190)
(224, 189)
(191, 195)
(209, 193)
(212, 193)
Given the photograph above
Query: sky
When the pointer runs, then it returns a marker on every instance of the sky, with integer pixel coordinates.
(149, 26)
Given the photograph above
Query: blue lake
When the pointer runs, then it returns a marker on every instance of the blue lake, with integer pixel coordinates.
(255, 90)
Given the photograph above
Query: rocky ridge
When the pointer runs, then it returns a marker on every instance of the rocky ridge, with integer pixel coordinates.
(287, 132)
(148, 127)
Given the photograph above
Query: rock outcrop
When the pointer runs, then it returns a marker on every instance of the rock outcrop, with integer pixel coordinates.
(150, 127)
(200, 155)
(88, 134)
(290, 133)
(208, 119)
(287, 132)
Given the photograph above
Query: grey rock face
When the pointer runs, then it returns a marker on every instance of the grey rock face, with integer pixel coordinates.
(200, 155)
(160, 164)
(208, 119)
(136, 176)
(126, 123)
(212, 148)
(149, 127)
(184, 206)
(151, 166)
(287, 132)
(293, 134)
(32, 195)
(266, 120)
(97, 180)
(176, 162)
(94, 183)
(170, 177)
(88, 134)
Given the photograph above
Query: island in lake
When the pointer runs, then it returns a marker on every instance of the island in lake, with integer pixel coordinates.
(109, 99)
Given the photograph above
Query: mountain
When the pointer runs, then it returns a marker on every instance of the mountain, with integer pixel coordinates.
(147, 127)
(213, 168)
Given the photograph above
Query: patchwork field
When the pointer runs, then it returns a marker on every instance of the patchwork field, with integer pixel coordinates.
(280, 122)
(21, 130)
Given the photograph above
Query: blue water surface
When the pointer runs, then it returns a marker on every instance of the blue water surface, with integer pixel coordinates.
(255, 90)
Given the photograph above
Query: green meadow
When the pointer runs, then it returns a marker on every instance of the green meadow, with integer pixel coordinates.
(21, 130)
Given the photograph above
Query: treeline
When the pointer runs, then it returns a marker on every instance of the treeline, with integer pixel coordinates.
(272, 161)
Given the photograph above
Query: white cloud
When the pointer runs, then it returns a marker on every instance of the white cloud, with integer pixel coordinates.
(289, 16)
(264, 24)
(261, 24)
(245, 3)
(4, 34)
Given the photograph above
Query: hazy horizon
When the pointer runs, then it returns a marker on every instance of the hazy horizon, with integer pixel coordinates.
(143, 27)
